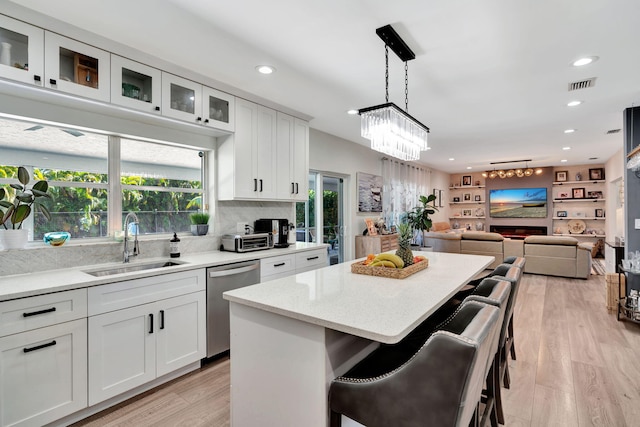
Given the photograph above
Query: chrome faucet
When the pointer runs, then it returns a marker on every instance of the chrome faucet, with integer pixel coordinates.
(136, 248)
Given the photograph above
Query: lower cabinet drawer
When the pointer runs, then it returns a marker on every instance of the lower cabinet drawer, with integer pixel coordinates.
(310, 260)
(277, 266)
(43, 374)
(29, 313)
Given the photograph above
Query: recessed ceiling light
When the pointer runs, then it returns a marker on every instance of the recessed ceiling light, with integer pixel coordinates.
(451, 159)
(563, 161)
(569, 130)
(469, 167)
(566, 148)
(584, 61)
(265, 69)
(574, 103)
(352, 112)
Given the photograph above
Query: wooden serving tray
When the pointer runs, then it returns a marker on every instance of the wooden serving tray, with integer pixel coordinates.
(392, 273)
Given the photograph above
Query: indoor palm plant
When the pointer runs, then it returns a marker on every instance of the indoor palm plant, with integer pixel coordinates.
(199, 223)
(419, 218)
(16, 211)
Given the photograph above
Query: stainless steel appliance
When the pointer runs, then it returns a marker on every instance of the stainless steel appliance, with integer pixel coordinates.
(246, 242)
(278, 227)
(220, 279)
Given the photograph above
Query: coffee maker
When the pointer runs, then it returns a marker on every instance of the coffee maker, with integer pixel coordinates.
(278, 227)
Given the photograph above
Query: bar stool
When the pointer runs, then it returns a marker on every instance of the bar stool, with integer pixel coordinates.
(440, 385)
(494, 292)
(516, 261)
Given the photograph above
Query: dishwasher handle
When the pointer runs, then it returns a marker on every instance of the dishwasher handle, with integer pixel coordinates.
(233, 271)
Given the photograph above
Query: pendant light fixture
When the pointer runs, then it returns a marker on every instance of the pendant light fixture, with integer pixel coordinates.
(391, 130)
(510, 173)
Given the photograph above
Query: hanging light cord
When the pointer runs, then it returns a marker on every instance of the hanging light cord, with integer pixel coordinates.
(386, 72)
(406, 86)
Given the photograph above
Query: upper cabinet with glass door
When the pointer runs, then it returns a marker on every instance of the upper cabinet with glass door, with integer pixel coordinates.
(187, 100)
(76, 68)
(135, 85)
(21, 51)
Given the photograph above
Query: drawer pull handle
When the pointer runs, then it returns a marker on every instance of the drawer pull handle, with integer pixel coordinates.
(279, 264)
(312, 258)
(150, 323)
(161, 319)
(255, 184)
(35, 313)
(38, 347)
(53, 82)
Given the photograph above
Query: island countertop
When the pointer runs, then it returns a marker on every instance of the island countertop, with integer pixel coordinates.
(376, 308)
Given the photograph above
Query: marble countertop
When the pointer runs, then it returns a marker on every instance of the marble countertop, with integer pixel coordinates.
(376, 308)
(30, 284)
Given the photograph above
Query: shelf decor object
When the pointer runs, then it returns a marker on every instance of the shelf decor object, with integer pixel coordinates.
(576, 226)
(391, 130)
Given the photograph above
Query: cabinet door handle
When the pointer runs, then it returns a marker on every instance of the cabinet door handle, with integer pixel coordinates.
(293, 188)
(35, 313)
(206, 120)
(161, 319)
(296, 188)
(312, 258)
(255, 184)
(37, 78)
(199, 119)
(157, 108)
(279, 264)
(38, 347)
(53, 82)
(261, 186)
(150, 323)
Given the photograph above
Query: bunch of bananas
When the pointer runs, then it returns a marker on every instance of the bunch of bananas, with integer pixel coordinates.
(384, 260)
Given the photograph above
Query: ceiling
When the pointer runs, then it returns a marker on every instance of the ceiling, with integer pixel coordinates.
(490, 78)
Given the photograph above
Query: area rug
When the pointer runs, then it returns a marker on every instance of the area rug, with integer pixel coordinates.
(597, 266)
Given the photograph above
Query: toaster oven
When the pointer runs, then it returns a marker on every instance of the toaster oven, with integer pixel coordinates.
(246, 242)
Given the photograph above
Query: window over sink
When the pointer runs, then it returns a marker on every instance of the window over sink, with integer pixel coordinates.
(161, 182)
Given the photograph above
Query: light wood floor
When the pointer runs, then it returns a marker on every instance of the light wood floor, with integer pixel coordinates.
(576, 366)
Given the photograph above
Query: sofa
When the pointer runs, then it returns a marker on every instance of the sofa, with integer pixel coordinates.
(548, 255)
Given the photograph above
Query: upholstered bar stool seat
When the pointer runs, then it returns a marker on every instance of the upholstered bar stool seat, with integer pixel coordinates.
(440, 385)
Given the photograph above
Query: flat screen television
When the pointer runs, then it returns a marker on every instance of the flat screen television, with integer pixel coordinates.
(518, 203)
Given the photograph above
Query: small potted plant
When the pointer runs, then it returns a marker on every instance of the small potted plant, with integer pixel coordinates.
(14, 212)
(419, 218)
(199, 223)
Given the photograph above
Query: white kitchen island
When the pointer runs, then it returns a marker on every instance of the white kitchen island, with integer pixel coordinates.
(290, 337)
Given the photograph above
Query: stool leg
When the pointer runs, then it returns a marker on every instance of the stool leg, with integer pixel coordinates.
(512, 347)
(499, 414)
(336, 419)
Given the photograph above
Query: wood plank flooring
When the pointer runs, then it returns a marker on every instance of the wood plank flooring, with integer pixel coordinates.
(576, 366)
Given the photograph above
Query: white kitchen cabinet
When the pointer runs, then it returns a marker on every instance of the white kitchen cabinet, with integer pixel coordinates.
(144, 328)
(311, 260)
(293, 158)
(135, 85)
(76, 68)
(247, 159)
(190, 101)
(43, 374)
(21, 51)
(293, 263)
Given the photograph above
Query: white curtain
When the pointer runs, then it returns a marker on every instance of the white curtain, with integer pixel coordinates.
(403, 183)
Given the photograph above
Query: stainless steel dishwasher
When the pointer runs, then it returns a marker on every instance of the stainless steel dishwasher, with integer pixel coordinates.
(220, 279)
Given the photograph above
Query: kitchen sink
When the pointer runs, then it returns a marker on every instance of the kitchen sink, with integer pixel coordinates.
(129, 268)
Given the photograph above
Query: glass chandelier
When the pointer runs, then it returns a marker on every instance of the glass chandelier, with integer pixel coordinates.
(390, 129)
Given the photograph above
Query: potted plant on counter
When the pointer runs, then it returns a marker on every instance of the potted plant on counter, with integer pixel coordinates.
(199, 223)
(419, 218)
(15, 212)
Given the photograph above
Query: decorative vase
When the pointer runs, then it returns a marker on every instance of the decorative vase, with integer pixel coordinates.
(14, 239)
(199, 229)
(5, 54)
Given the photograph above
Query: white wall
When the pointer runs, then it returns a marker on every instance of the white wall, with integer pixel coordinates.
(615, 169)
(328, 153)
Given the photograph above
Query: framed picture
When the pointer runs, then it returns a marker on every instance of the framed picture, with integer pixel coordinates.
(577, 193)
(563, 195)
(466, 197)
(440, 202)
(596, 174)
(456, 199)
(437, 200)
(369, 192)
(599, 213)
(466, 179)
(467, 226)
(561, 176)
(595, 194)
(466, 212)
(561, 214)
(476, 198)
